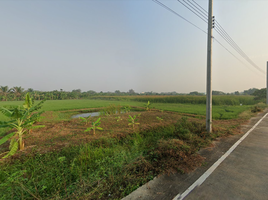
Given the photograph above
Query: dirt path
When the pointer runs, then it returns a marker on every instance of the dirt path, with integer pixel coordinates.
(227, 181)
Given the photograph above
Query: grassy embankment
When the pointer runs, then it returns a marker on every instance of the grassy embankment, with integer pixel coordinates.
(64, 162)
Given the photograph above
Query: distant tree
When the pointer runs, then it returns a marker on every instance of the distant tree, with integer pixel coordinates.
(249, 91)
(17, 91)
(194, 93)
(131, 92)
(91, 92)
(237, 93)
(56, 94)
(77, 91)
(217, 93)
(31, 90)
(117, 92)
(260, 94)
(4, 91)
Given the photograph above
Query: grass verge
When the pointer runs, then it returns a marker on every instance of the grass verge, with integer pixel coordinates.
(63, 162)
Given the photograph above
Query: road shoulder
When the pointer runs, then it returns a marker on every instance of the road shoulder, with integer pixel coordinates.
(166, 187)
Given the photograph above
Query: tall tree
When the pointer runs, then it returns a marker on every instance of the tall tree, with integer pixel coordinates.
(30, 90)
(4, 91)
(18, 91)
(117, 92)
(260, 94)
(131, 92)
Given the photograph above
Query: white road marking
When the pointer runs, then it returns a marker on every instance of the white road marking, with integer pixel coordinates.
(202, 178)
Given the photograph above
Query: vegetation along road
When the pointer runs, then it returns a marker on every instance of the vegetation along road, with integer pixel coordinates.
(47, 155)
(235, 168)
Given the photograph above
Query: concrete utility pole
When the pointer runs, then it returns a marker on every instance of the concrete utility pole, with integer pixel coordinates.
(209, 52)
(267, 84)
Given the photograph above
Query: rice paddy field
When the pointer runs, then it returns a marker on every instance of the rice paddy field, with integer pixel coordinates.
(224, 107)
(66, 159)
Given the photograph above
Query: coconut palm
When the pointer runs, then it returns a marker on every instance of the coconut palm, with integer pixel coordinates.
(18, 91)
(4, 91)
(31, 90)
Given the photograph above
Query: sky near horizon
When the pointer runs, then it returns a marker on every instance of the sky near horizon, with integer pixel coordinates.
(108, 45)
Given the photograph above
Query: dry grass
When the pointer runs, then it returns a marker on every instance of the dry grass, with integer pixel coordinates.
(59, 134)
(114, 161)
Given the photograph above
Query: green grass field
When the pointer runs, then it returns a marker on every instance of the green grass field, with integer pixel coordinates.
(60, 105)
(218, 111)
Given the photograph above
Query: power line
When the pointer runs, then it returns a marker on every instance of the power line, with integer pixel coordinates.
(193, 11)
(204, 11)
(231, 42)
(223, 34)
(197, 9)
(174, 12)
(235, 56)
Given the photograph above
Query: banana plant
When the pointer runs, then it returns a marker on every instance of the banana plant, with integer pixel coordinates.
(95, 125)
(127, 109)
(85, 119)
(21, 120)
(160, 119)
(132, 121)
(147, 106)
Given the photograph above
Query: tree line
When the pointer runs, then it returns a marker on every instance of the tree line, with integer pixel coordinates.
(18, 93)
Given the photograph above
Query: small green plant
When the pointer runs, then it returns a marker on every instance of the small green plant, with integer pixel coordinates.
(160, 119)
(132, 121)
(85, 119)
(147, 106)
(62, 159)
(118, 118)
(95, 125)
(127, 109)
(21, 119)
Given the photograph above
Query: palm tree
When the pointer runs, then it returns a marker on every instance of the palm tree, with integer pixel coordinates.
(18, 91)
(4, 91)
(31, 90)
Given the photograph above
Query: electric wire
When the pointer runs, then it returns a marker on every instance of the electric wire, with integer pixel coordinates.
(221, 32)
(231, 42)
(204, 10)
(224, 35)
(174, 12)
(236, 57)
(193, 6)
(198, 15)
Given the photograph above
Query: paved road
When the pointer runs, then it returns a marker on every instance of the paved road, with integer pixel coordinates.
(242, 175)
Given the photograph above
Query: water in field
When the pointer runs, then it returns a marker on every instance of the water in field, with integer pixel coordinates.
(92, 114)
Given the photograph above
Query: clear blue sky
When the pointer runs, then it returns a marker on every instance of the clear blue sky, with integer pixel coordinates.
(108, 45)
